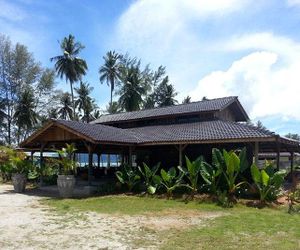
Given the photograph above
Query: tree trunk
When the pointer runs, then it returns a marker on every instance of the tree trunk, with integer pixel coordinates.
(73, 103)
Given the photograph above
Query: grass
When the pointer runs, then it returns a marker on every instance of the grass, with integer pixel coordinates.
(240, 228)
(243, 228)
(122, 204)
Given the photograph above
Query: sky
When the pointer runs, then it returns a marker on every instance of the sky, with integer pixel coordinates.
(212, 48)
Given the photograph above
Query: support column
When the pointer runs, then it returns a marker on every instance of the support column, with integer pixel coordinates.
(180, 149)
(42, 162)
(90, 148)
(90, 169)
(278, 157)
(98, 159)
(130, 156)
(180, 155)
(292, 163)
(256, 151)
(31, 156)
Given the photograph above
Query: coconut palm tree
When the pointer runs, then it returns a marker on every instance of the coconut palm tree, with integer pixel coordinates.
(113, 108)
(69, 65)
(132, 90)
(25, 115)
(166, 93)
(65, 111)
(110, 70)
(186, 100)
(84, 102)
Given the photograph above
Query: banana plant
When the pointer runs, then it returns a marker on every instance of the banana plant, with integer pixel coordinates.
(231, 165)
(210, 174)
(128, 176)
(267, 181)
(192, 172)
(151, 180)
(171, 180)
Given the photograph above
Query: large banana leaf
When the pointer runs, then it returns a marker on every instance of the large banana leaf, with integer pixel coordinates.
(265, 178)
(256, 175)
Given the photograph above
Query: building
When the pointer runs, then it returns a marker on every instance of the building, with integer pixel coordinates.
(164, 134)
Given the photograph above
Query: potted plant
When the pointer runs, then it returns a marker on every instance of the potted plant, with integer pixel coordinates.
(66, 179)
(15, 164)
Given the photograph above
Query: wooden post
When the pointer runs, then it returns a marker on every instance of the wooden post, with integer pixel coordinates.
(256, 151)
(90, 148)
(98, 155)
(292, 163)
(180, 149)
(41, 162)
(278, 156)
(130, 156)
(180, 155)
(90, 169)
(31, 156)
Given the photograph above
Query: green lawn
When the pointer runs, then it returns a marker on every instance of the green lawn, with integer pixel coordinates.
(239, 228)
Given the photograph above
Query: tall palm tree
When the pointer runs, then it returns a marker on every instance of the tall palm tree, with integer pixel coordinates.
(84, 102)
(65, 111)
(69, 65)
(25, 115)
(166, 93)
(186, 100)
(110, 70)
(132, 89)
(113, 108)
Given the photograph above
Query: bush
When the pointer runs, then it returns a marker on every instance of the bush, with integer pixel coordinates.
(267, 181)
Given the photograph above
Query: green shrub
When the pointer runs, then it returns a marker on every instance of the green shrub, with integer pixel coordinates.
(151, 180)
(231, 166)
(192, 172)
(268, 181)
(128, 176)
(170, 180)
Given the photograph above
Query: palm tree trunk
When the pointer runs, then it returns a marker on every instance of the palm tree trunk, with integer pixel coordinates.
(111, 97)
(73, 103)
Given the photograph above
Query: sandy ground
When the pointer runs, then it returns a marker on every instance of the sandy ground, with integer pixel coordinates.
(26, 224)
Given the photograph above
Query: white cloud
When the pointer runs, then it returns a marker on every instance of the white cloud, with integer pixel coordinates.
(10, 11)
(163, 32)
(293, 2)
(266, 80)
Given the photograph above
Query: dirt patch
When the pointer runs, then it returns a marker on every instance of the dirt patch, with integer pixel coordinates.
(26, 224)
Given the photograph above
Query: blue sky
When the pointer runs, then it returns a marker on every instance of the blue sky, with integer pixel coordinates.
(210, 48)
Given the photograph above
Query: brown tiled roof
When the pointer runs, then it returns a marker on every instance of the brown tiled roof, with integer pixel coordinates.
(186, 132)
(100, 133)
(201, 106)
(198, 131)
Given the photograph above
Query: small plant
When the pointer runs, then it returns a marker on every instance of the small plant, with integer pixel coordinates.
(66, 159)
(171, 180)
(267, 181)
(294, 200)
(128, 176)
(223, 200)
(151, 180)
(192, 172)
